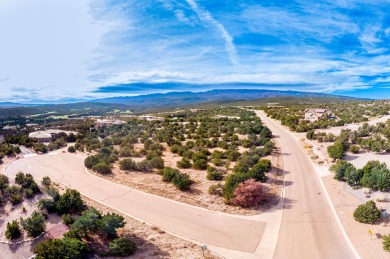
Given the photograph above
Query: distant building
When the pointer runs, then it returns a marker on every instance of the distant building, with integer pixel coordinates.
(151, 118)
(2, 139)
(227, 117)
(196, 110)
(40, 136)
(48, 135)
(108, 123)
(314, 114)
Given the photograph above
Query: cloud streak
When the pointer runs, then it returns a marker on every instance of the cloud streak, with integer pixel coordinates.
(206, 16)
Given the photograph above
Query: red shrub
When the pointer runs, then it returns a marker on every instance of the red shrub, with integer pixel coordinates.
(249, 193)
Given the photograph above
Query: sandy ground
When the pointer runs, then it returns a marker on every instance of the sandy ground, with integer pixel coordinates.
(198, 194)
(345, 204)
(337, 130)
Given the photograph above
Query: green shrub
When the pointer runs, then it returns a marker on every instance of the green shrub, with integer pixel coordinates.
(169, 173)
(71, 149)
(184, 163)
(102, 168)
(46, 181)
(128, 165)
(122, 247)
(35, 224)
(200, 164)
(337, 150)
(342, 170)
(110, 223)
(69, 202)
(14, 194)
(28, 193)
(13, 230)
(182, 181)
(61, 248)
(67, 219)
(213, 174)
(354, 149)
(386, 242)
(367, 213)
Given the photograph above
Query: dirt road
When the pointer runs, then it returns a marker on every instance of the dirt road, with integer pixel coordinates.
(203, 226)
(309, 228)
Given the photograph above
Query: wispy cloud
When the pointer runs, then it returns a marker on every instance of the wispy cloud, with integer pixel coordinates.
(326, 45)
(206, 16)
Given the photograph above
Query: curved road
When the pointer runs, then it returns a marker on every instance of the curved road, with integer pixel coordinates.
(309, 228)
(200, 225)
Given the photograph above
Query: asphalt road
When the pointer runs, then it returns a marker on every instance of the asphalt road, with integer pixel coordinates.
(309, 228)
(203, 226)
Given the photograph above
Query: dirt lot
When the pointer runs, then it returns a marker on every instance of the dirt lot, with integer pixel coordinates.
(345, 204)
(198, 194)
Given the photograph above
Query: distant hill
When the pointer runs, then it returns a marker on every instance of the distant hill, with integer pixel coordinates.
(177, 99)
(10, 104)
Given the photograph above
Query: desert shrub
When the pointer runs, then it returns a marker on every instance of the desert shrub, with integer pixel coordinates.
(47, 204)
(342, 169)
(354, 149)
(35, 224)
(182, 181)
(14, 193)
(249, 193)
(46, 181)
(128, 165)
(257, 172)
(200, 164)
(213, 174)
(61, 248)
(337, 150)
(122, 247)
(102, 168)
(367, 213)
(110, 223)
(88, 222)
(28, 193)
(71, 149)
(69, 202)
(157, 162)
(67, 219)
(169, 173)
(4, 182)
(184, 163)
(13, 230)
(386, 242)
(376, 176)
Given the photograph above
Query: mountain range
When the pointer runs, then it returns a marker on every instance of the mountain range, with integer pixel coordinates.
(176, 99)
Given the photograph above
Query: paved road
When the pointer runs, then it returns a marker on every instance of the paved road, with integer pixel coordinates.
(190, 222)
(309, 228)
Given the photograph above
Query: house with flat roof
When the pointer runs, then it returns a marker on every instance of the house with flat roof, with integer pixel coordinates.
(108, 123)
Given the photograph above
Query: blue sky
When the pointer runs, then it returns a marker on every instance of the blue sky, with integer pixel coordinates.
(61, 50)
